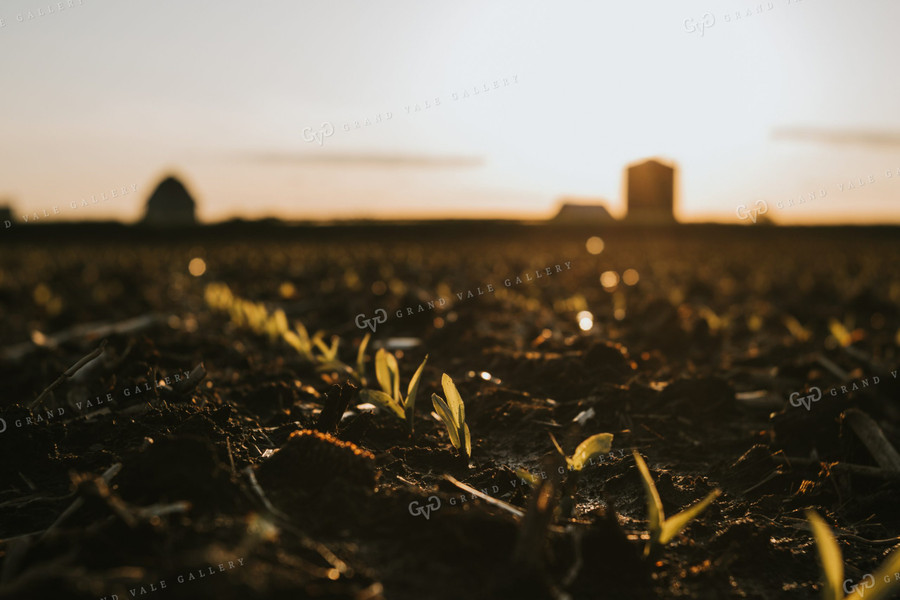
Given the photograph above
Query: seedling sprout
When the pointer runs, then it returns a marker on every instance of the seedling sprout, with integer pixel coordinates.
(663, 530)
(453, 415)
(387, 373)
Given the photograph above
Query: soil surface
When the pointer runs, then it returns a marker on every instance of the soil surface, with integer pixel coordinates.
(190, 457)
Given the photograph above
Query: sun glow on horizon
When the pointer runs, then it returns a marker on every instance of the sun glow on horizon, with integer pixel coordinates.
(499, 111)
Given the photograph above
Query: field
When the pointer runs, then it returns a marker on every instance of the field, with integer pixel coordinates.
(687, 344)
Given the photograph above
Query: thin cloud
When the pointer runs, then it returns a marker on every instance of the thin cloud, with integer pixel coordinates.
(861, 137)
(375, 160)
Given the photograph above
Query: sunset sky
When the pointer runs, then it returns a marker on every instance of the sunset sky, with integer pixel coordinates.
(104, 94)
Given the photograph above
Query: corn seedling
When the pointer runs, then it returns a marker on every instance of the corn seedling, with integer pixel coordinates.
(388, 375)
(880, 585)
(299, 340)
(453, 415)
(663, 530)
(588, 449)
(361, 360)
(328, 355)
(527, 477)
(585, 452)
(255, 316)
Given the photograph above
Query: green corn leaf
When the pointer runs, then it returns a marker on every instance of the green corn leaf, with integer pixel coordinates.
(300, 341)
(329, 359)
(333, 351)
(655, 513)
(443, 411)
(318, 343)
(593, 446)
(395, 377)
(829, 556)
(526, 476)
(383, 372)
(468, 440)
(413, 387)
(411, 392)
(379, 398)
(673, 525)
(294, 341)
(454, 400)
(303, 335)
(361, 359)
(248, 310)
(281, 322)
(271, 326)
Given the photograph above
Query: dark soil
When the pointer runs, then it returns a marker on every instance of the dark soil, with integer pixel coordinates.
(260, 472)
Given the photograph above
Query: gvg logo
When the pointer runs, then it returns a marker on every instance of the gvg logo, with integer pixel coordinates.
(815, 396)
(327, 130)
(860, 587)
(708, 20)
(416, 509)
(761, 208)
(373, 322)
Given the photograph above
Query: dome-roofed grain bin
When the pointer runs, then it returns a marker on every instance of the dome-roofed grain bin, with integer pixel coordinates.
(170, 205)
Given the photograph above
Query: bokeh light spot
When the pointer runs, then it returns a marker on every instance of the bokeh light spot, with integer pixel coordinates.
(594, 245)
(609, 279)
(585, 320)
(197, 267)
(287, 290)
